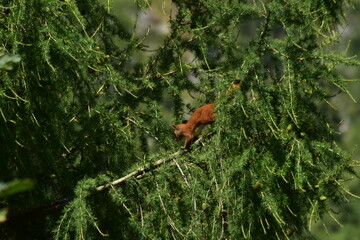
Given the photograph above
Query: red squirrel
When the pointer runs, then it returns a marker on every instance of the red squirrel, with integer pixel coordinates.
(202, 116)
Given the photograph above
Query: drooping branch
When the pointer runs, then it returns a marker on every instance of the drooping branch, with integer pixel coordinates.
(50, 208)
(57, 205)
(138, 173)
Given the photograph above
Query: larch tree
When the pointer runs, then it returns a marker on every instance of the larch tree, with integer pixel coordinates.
(85, 121)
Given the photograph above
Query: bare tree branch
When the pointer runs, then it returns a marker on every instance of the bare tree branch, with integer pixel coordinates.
(138, 173)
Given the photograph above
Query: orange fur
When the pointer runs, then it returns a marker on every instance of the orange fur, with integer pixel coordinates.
(202, 116)
(236, 85)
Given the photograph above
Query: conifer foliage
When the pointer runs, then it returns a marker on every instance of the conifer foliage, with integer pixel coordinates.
(77, 113)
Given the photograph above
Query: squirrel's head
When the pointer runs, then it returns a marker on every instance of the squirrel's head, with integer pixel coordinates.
(178, 130)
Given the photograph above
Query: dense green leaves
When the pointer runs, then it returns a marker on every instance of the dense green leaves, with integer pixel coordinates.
(83, 108)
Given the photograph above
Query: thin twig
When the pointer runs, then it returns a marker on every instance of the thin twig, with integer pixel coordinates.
(182, 173)
(170, 221)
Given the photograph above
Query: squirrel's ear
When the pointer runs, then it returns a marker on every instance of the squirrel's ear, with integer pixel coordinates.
(175, 127)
